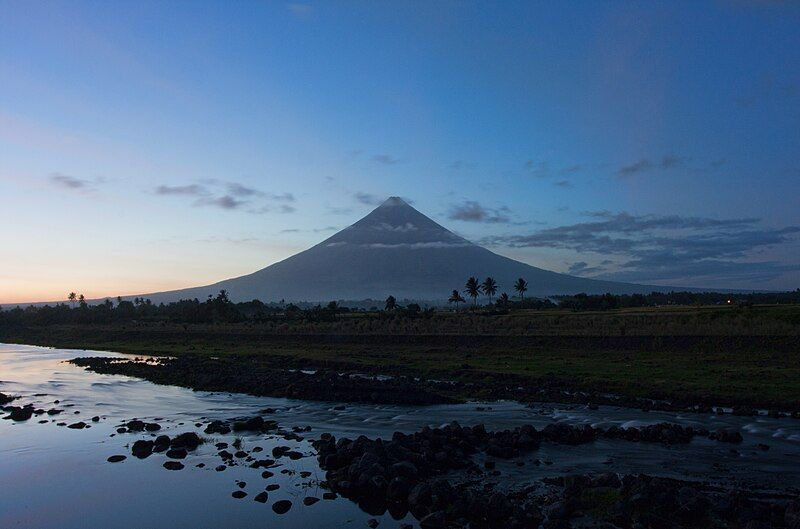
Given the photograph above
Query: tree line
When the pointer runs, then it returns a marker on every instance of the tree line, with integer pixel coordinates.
(220, 309)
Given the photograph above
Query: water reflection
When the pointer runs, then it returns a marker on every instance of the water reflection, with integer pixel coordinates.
(56, 477)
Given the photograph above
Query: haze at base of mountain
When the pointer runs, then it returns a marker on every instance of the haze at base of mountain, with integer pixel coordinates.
(395, 250)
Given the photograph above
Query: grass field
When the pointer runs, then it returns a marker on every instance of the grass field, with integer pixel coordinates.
(719, 355)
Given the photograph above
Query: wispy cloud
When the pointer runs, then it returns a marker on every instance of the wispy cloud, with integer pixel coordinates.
(668, 161)
(191, 190)
(70, 182)
(539, 169)
(385, 159)
(669, 247)
(230, 196)
(223, 202)
(768, 87)
(368, 198)
(473, 211)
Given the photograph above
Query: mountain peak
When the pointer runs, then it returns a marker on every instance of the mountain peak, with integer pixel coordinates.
(395, 224)
(392, 202)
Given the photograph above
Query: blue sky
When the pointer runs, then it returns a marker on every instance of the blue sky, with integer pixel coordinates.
(147, 146)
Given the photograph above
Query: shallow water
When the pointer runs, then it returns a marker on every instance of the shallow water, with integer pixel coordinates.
(53, 476)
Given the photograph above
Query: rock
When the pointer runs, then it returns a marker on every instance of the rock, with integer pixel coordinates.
(152, 427)
(398, 489)
(177, 453)
(262, 463)
(261, 497)
(135, 425)
(80, 425)
(220, 468)
(217, 427)
(5, 399)
(173, 465)
(372, 523)
(329, 496)
(142, 448)
(242, 484)
(20, 413)
(116, 459)
(726, 436)
(272, 487)
(161, 443)
(238, 494)
(791, 517)
(420, 495)
(405, 469)
(434, 520)
(187, 440)
(267, 474)
(310, 500)
(96, 419)
(282, 506)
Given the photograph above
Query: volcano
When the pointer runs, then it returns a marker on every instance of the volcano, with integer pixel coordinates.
(394, 250)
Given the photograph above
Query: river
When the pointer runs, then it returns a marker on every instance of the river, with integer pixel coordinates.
(56, 477)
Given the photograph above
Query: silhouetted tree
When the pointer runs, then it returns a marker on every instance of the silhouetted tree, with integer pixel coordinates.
(391, 303)
(521, 286)
(503, 300)
(72, 297)
(473, 289)
(81, 301)
(456, 298)
(489, 287)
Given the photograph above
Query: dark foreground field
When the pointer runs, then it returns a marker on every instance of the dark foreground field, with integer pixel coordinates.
(689, 356)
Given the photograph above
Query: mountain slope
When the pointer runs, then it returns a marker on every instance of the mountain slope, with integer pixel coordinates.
(394, 250)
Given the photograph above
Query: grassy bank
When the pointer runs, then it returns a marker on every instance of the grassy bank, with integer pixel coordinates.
(689, 354)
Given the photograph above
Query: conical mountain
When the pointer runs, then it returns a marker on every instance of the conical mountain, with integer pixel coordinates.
(393, 250)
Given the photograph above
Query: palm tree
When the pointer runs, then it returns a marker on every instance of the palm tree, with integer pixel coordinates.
(456, 298)
(473, 290)
(521, 286)
(391, 303)
(81, 300)
(489, 287)
(72, 297)
(503, 300)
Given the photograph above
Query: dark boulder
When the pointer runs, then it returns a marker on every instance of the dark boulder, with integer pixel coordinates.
(434, 520)
(135, 425)
(282, 506)
(217, 427)
(177, 453)
(726, 436)
(142, 448)
(17, 413)
(187, 440)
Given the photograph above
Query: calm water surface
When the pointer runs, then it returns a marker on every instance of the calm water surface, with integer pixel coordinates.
(52, 476)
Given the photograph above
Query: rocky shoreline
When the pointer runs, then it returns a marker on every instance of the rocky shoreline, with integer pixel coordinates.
(449, 477)
(409, 473)
(289, 378)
